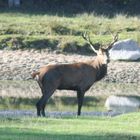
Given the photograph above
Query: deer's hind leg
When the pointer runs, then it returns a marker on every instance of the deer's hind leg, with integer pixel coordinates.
(80, 98)
(42, 102)
(48, 89)
(38, 106)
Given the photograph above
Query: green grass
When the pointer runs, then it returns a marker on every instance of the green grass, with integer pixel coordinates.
(18, 30)
(124, 127)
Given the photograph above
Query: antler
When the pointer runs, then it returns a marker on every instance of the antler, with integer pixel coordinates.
(87, 38)
(115, 39)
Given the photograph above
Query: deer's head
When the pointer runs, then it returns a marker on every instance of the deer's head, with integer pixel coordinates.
(103, 51)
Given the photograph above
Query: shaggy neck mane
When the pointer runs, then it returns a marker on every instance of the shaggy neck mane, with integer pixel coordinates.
(102, 71)
(101, 68)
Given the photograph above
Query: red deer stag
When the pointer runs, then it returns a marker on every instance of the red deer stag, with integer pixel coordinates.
(77, 76)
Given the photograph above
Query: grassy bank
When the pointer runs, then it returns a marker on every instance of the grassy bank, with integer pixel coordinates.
(25, 30)
(98, 128)
(25, 94)
(61, 104)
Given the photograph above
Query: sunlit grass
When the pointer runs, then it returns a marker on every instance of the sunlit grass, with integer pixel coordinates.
(64, 31)
(81, 128)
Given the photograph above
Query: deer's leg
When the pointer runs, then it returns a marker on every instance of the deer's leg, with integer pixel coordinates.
(38, 106)
(80, 98)
(43, 106)
(48, 90)
(48, 86)
(44, 101)
(43, 110)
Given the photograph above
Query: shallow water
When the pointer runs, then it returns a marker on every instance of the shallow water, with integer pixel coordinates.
(25, 94)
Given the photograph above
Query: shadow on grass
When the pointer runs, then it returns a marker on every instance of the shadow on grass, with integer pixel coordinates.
(53, 44)
(15, 43)
(27, 134)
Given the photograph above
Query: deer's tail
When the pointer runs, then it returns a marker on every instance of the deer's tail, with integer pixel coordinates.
(34, 74)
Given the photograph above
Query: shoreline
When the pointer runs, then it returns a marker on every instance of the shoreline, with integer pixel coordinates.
(55, 114)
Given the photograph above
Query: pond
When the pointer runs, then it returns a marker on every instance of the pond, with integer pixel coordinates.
(23, 95)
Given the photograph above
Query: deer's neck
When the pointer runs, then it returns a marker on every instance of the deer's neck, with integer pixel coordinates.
(101, 69)
(101, 72)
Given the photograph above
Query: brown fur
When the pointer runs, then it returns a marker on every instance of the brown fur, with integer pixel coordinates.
(77, 76)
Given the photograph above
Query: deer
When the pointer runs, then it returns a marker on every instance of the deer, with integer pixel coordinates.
(78, 76)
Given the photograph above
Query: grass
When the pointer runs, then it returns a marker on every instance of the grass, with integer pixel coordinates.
(25, 30)
(124, 127)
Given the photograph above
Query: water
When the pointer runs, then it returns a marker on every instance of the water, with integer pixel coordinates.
(23, 95)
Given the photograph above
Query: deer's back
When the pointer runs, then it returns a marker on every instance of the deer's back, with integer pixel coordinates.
(69, 76)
